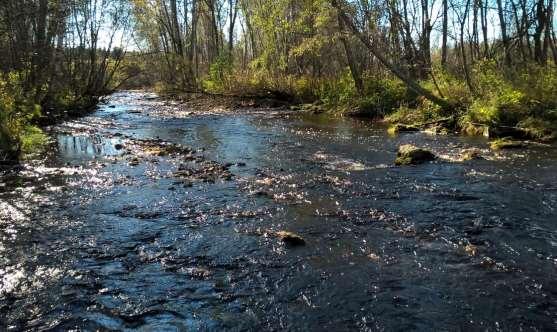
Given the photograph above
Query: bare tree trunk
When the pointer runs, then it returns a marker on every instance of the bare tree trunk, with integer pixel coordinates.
(445, 33)
(175, 29)
(525, 20)
(411, 84)
(463, 54)
(232, 15)
(40, 49)
(519, 32)
(193, 41)
(548, 29)
(504, 36)
(483, 19)
(354, 69)
(474, 43)
(554, 45)
(425, 42)
(215, 51)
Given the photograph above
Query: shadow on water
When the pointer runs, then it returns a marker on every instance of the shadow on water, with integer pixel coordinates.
(146, 216)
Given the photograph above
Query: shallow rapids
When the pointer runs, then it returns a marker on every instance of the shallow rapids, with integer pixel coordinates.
(149, 216)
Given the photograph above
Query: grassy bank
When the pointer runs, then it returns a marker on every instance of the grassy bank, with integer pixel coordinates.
(524, 99)
(21, 117)
(17, 113)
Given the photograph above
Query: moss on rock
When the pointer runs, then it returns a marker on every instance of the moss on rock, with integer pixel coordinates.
(412, 155)
(471, 154)
(506, 144)
(402, 128)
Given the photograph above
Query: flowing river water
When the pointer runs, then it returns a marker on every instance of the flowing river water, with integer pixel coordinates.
(148, 216)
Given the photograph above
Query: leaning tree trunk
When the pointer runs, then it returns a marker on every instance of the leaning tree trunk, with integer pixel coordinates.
(354, 69)
(410, 83)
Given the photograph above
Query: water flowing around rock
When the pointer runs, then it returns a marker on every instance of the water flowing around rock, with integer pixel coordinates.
(151, 216)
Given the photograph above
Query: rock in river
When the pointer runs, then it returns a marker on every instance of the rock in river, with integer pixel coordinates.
(411, 155)
(471, 154)
(506, 143)
(402, 128)
(290, 239)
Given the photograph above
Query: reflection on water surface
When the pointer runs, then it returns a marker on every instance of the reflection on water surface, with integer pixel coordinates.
(144, 216)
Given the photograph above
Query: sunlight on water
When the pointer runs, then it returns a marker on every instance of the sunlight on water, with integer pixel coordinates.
(147, 215)
(8, 212)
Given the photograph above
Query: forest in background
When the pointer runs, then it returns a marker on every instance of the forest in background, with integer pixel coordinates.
(52, 64)
(475, 62)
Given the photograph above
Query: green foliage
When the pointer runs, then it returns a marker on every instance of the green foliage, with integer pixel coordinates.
(498, 101)
(380, 95)
(16, 111)
(220, 75)
(337, 91)
(450, 85)
(529, 93)
(541, 128)
(526, 98)
(32, 140)
(423, 112)
(383, 95)
(539, 85)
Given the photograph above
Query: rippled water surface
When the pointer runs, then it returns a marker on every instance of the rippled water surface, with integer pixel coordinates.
(149, 216)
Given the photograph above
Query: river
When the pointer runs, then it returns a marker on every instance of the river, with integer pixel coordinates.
(145, 216)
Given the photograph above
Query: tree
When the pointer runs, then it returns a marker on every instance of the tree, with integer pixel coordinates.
(395, 70)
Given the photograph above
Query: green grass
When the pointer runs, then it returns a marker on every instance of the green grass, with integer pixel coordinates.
(33, 140)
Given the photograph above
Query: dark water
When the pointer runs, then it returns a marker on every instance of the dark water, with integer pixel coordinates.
(100, 236)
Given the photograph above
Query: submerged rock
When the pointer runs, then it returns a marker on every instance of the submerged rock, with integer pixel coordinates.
(436, 130)
(310, 108)
(470, 249)
(206, 171)
(290, 239)
(402, 128)
(134, 162)
(471, 154)
(505, 144)
(374, 257)
(412, 155)
(487, 262)
(197, 273)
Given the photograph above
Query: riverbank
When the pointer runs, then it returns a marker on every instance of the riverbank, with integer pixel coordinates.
(22, 124)
(425, 118)
(491, 101)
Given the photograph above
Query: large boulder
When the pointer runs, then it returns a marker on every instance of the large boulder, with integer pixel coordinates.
(412, 155)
